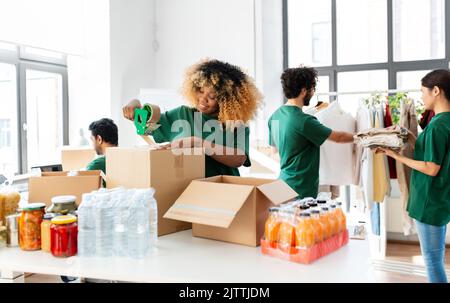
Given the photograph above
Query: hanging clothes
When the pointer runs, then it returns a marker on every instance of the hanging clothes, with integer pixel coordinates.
(408, 119)
(426, 118)
(381, 186)
(314, 110)
(363, 170)
(336, 160)
(385, 158)
(388, 123)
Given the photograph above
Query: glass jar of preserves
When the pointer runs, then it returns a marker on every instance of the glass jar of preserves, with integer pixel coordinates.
(45, 232)
(64, 234)
(63, 205)
(30, 226)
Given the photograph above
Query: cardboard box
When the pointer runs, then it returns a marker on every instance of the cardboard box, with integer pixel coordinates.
(167, 173)
(76, 158)
(51, 184)
(230, 209)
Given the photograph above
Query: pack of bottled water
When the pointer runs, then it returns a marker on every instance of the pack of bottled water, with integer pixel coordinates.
(117, 222)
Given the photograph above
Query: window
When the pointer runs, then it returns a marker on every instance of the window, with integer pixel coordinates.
(367, 45)
(361, 31)
(44, 101)
(309, 34)
(323, 86)
(359, 81)
(33, 99)
(411, 80)
(419, 29)
(5, 133)
(9, 161)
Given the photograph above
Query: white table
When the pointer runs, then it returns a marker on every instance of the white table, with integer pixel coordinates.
(182, 258)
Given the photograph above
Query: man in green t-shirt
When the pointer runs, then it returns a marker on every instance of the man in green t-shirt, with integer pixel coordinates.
(298, 136)
(104, 134)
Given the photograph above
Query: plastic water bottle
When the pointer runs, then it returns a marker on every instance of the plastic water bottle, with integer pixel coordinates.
(121, 214)
(153, 223)
(86, 227)
(104, 225)
(133, 226)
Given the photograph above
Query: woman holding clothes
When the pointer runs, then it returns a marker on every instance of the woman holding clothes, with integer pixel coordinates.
(223, 100)
(429, 199)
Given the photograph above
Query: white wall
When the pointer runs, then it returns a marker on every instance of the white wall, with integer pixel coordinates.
(247, 33)
(89, 73)
(269, 54)
(190, 30)
(154, 41)
(132, 59)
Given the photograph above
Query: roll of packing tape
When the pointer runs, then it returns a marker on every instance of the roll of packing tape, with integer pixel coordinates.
(154, 113)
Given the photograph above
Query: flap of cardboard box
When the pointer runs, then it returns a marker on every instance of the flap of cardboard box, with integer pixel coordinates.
(278, 192)
(75, 158)
(209, 203)
(78, 173)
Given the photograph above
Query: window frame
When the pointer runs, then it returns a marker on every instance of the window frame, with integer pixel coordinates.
(392, 66)
(22, 62)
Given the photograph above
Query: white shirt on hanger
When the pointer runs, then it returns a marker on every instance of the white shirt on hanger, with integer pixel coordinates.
(336, 160)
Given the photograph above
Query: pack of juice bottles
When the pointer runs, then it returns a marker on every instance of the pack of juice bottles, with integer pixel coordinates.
(314, 227)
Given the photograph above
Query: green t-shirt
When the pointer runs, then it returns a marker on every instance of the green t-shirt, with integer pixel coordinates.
(184, 121)
(98, 163)
(298, 137)
(429, 198)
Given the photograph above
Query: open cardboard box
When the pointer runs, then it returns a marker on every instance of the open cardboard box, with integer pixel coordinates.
(51, 184)
(230, 209)
(167, 172)
(76, 158)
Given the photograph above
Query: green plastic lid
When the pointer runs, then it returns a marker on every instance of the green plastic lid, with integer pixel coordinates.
(34, 206)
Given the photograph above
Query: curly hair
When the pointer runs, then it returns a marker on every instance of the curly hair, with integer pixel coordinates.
(294, 80)
(237, 95)
(105, 128)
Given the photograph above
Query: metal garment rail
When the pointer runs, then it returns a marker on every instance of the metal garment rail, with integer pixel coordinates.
(389, 91)
(371, 92)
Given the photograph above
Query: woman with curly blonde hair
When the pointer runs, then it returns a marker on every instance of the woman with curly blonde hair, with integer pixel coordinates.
(223, 100)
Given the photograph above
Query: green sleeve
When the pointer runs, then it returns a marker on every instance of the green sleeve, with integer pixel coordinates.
(164, 132)
(245, 146)
(241, 140)
(97, 164)
(435, 145)
(315, 131)
(272, 142)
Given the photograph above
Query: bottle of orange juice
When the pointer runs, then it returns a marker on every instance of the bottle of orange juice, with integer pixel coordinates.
(313, 205)
(341, 217)
(326, 225)
(272, 226)
(317, 226)
(334, 222)
(304, 231)
(301, 209)
(286, 233)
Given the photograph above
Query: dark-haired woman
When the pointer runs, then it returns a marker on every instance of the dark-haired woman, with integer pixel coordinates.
(223, 100)
(298, 136)
(429, 199)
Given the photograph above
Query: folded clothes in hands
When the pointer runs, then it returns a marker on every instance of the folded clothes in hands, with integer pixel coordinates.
(392, 138)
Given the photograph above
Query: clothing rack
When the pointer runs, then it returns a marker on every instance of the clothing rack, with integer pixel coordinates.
(390, 91)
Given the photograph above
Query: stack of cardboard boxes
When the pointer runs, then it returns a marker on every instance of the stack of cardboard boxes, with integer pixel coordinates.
(225, 208)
